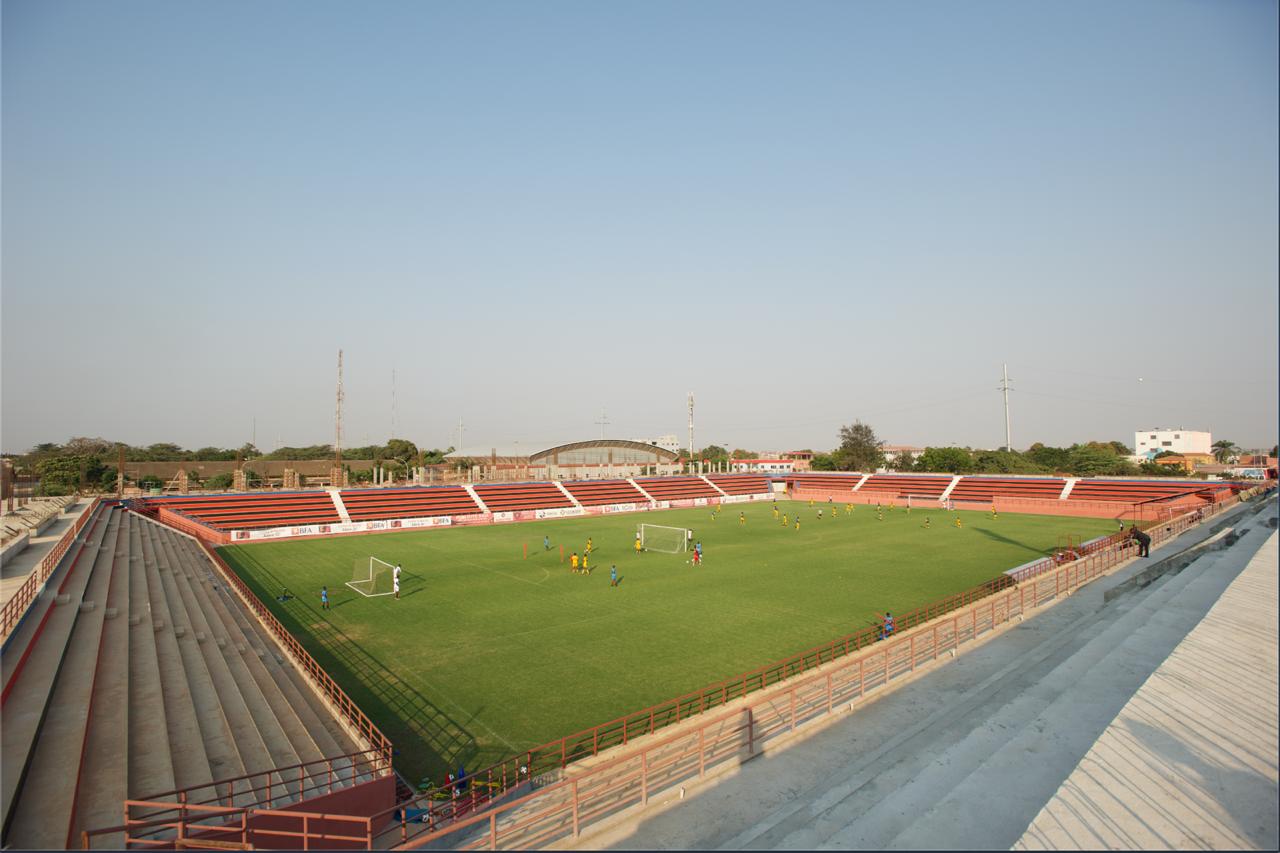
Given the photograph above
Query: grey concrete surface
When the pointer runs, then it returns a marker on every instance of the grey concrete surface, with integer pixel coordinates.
(1191, 760)
(968, 755)
(16, 569)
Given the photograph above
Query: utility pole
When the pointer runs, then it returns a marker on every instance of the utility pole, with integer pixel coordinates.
(337, 420)
(603, 422)
(1004, 388)
(394, 426)
(459, 434)
(690, 427)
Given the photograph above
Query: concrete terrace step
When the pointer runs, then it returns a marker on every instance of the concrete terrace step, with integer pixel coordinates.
(303, 715)
(1063, 732)
(1062, 673)
(222, 726)
(25, 707)
(191, 764)
(148, 744)
(103, 777)
(42, 811)
(264, 744)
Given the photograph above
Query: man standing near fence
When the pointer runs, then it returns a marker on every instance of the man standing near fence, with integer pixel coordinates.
(1143, 540)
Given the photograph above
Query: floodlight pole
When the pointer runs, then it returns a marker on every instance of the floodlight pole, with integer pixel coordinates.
(691, 428)
(1004, 387)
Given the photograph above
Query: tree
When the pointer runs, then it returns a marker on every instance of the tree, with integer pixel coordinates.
(1097, 458)
(739, 453)
(1052, 459)
(822, 462)
(1224, 450)
(401, 450)
(904, 461)
(951, 460)
(1004, 462)
(859, 448)
(713, 453)
(219, 482)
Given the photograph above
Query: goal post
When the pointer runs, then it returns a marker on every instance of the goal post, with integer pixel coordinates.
(928, 502)
(371, 577)
(658, 537)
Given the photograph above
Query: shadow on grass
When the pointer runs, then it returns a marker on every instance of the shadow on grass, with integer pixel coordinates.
(1030, 549)
(427, 740)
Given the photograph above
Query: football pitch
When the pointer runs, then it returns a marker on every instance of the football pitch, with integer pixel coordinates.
(487, 653)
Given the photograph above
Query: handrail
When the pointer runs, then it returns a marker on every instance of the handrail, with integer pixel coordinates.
(363, 762)
(16, 607)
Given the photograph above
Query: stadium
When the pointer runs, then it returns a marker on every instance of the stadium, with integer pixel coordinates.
(486, 591)
(246, 709)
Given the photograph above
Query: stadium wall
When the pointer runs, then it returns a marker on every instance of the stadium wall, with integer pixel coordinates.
(308, 531)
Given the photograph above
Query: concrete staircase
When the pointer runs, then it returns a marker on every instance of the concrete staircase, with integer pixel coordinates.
(148, 677)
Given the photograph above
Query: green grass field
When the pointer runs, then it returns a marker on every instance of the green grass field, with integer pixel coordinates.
(486, 653)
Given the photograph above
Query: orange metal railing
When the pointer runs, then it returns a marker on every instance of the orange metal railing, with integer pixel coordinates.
(16, 607)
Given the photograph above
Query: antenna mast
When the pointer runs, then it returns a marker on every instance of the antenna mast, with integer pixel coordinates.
(394, 425)
(603, 422)
(690, 426)
(1004, 387)
(337, 420)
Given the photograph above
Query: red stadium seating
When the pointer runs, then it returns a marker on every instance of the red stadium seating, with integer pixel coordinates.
(1134, 491)
(741, 484)
(900, 485)
(597, 492)
(831, 480)
(678, 488)
(986, 488)
(370, 504)
(510, 497)
(242, 512)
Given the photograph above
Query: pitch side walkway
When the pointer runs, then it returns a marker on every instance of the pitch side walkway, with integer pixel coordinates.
(17, 569)
(1191, 761)
(969, 754)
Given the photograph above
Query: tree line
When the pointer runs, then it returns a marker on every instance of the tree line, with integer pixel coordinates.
(860, 450)
(91, 462)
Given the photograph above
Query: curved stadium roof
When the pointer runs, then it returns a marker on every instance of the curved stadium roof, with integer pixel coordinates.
(603, 450)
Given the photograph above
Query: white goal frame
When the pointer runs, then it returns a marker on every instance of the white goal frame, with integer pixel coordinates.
(928, 502)
(364, 577)
(644, 542)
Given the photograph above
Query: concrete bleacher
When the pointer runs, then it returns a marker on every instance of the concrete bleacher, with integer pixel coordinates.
(677, 488)
(598, 492)
(1134, 491)
(901, 485)
(242, 512)
(986, 488)
(366, 504)
(824, 480)
(140, 673)
(741, 484)
(511, 497)
(32, 518)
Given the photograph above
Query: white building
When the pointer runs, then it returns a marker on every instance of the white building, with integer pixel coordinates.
(666, 442)
(1149, 442)
(764, 466)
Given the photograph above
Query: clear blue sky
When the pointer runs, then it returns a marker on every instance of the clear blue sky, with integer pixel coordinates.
(803, 212)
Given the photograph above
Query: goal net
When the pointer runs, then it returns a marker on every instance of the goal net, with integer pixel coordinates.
(371, 577)
(668, 540)
(927, 502)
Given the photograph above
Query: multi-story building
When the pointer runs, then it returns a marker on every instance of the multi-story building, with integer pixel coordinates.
(1149, 442)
